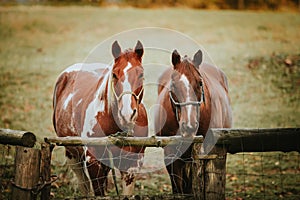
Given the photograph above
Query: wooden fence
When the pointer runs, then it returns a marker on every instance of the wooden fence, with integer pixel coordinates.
(32, 165)
(32, 173)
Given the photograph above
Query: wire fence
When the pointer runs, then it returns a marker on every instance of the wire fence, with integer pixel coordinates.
(267, 175)
(7, 154)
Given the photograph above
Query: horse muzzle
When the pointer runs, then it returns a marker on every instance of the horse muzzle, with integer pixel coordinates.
(188, 130)
(128, 119)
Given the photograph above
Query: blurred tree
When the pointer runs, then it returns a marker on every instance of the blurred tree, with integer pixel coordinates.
(200, 4)
(241, 4)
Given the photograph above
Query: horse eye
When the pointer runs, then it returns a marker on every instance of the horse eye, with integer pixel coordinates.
(141, 76)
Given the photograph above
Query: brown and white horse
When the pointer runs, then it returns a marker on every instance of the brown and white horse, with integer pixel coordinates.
(94, 100)
(193, 97)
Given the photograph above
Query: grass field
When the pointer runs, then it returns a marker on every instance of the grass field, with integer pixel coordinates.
(37, 43)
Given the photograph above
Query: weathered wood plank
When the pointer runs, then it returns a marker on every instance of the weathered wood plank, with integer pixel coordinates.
(198, 171)
(45, 170)
(121, 141)
(209, 174)
(14, 137)
(236, 140)
(141, 197)
(259, 140)
(215, 174)
(27, 173)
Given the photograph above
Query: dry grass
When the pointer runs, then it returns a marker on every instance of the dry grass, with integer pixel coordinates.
(37, 43)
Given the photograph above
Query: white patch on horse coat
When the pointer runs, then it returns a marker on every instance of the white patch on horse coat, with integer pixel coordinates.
(94, 108)
(84, 181)
(86, 67)
(126, 99)
(130, 174)
(88, 158)
(186, 83)
(90, 119)
(101, 106)
(79, 102)
(68, 99)
(85, 148)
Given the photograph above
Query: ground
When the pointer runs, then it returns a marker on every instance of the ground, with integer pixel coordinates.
(258, 51)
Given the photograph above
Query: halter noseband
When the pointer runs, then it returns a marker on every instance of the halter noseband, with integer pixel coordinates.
(137, 97)
(193, 103)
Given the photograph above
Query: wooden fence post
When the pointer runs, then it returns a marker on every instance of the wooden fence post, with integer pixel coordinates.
(27, 173)
(215, 174)
(209, 173)
(198, 170)
(45, 170)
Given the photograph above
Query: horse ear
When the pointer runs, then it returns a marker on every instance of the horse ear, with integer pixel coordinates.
(139, 49)
(198, 58)
(116, 49)
(175, 58)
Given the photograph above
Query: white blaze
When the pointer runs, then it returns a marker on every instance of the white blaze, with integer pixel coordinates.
(186, 83)
(126, 99)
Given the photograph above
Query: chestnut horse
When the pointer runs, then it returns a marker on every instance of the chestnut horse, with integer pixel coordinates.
(94, 100)
(193, 97)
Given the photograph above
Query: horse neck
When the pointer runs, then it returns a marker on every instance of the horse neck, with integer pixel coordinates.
(205, 110)
(104, 93)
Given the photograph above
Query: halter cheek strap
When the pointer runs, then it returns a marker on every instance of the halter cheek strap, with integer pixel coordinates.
(193, 103)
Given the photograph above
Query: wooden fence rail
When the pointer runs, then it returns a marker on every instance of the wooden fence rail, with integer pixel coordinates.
(259, 140)
(32, 165)
(235, 140)
(14, 137)
(122, 141)
(208, 173)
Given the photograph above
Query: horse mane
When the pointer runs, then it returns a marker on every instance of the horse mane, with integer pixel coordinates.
(104, 87)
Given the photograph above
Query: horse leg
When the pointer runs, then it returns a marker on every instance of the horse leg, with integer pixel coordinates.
(187, 178)
(176, 176)
(76, 164)
(98, 173)
(128, 180)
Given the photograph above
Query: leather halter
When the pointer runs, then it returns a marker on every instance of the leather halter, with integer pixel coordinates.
(193, 103)
(118, 98)
(137, 97)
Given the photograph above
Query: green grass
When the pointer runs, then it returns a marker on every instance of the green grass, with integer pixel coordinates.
(263, 176)
(37, 43)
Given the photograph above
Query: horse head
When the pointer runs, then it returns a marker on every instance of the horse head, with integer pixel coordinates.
(186, 92)
(127, 84)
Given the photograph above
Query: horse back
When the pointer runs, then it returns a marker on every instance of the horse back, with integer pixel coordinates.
(163, 79)
(74, 90)
(217, 84)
